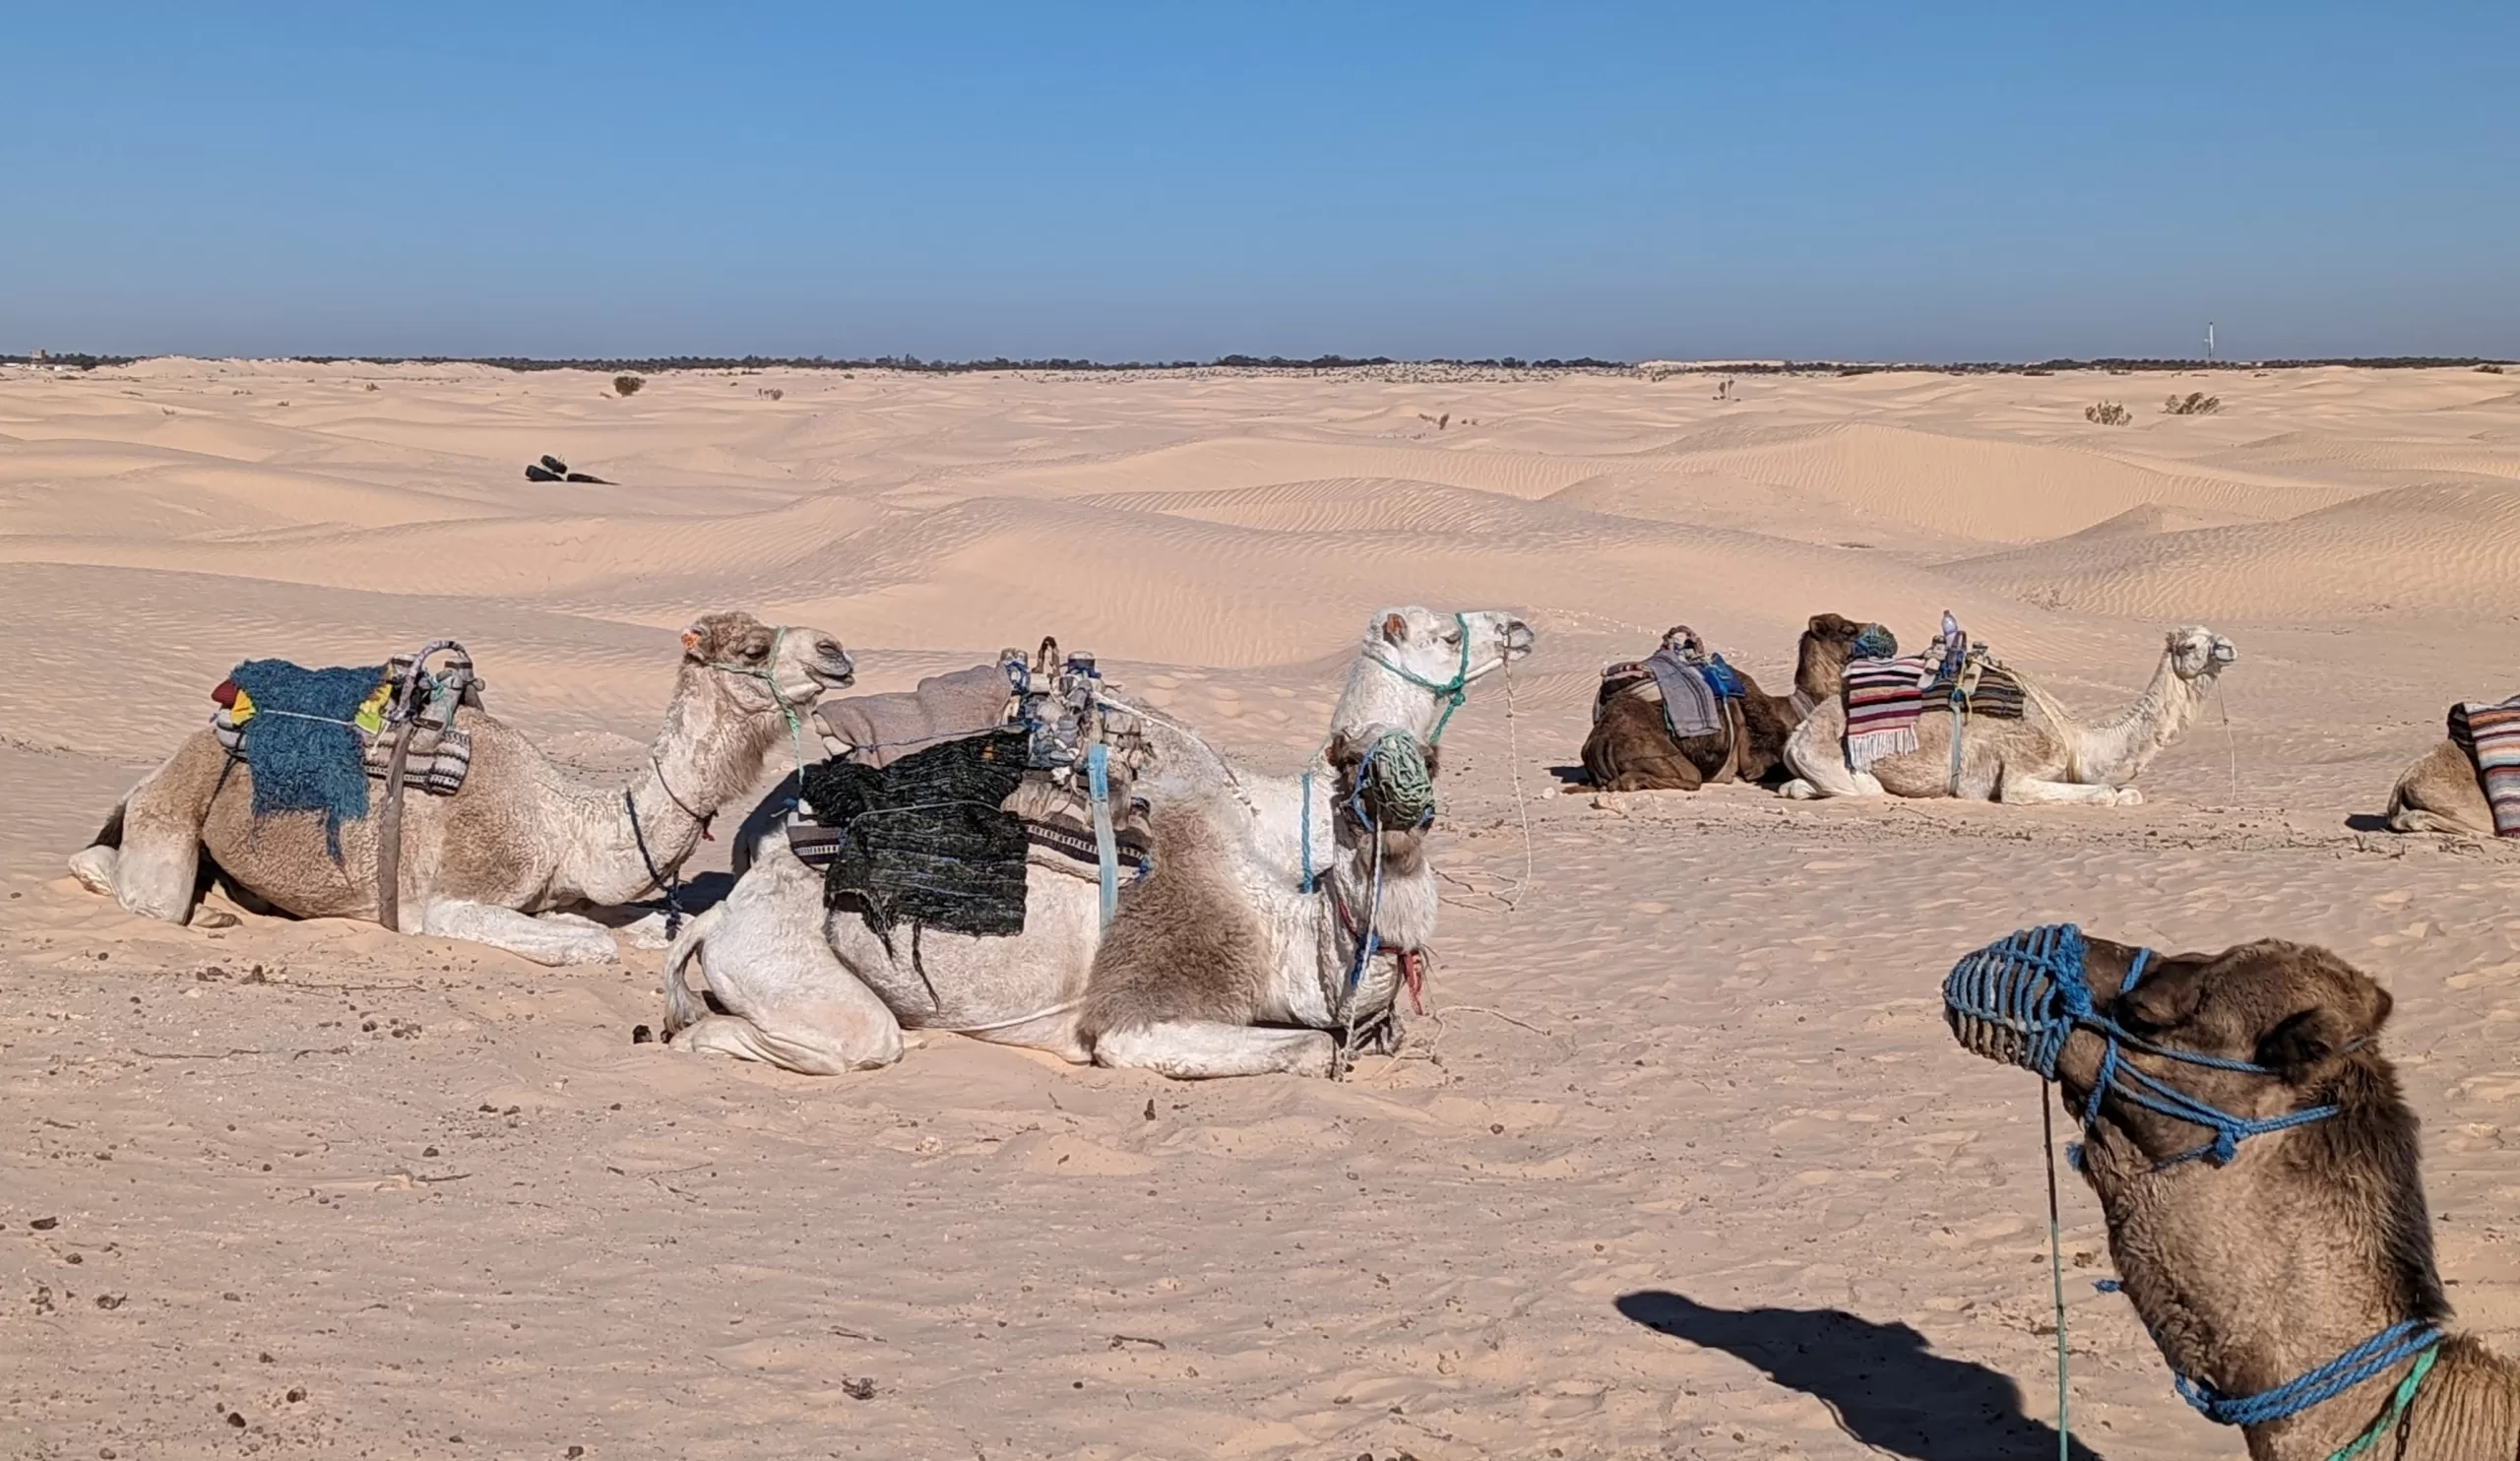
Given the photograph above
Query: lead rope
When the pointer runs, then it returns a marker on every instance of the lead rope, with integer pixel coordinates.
(673, 886)
(2056, 1275)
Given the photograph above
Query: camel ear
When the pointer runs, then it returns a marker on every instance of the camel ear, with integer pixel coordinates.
(2167, 996)
(1395, 627)
(2306, 1037)
(692, 639)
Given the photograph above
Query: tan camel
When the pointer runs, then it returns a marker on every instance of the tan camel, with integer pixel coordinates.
(1266, 966)
(1631, 748)
(2440, 792)
(2044, 756)
(503, 860)
(2313, 1237)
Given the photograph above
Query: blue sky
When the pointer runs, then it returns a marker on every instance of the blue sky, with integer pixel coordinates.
(1166, 180)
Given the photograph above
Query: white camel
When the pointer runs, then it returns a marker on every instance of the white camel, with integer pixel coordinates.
(816, 991)
(505, 859)
(2044, 756)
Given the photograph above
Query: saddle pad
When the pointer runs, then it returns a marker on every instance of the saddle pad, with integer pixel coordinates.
(926, 838)
(1884, 699)
(2491, 735)
(1990, 691)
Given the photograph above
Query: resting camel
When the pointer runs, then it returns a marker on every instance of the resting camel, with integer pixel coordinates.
(503, 860)
(2044, 756)
(2313, 1238)
(1219, 963)
(1631, 748)
(2440, 792)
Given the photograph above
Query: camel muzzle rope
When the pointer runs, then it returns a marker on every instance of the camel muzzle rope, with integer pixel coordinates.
(2016, 1001)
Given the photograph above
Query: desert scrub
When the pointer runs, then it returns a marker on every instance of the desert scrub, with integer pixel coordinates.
(2193, 404)
(626, 385)
(2108, 414)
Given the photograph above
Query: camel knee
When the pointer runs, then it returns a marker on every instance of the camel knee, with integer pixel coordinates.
(2417, 819)
(1200, 1049)
(94, 867)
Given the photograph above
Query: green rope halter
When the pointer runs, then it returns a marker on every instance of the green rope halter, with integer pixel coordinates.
(767, 675)
(1454, 693)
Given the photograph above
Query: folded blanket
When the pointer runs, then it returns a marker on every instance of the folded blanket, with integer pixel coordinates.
(307, 751)
(1692, 700)
(2491, 735)
(879, 729)
(926, 838)
(1883, 698)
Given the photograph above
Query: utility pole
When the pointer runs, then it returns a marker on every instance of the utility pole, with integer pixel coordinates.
(2209, 341)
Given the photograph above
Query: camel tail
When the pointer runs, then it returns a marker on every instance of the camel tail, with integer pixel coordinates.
(683, 1009)
(111, 834)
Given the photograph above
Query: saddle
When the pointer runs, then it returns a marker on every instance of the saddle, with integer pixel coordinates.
(1699, 693)
(408, 699)
(1050, 709)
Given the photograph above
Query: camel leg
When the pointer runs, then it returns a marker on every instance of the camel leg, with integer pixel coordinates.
(789, 1003)
(154, 870)
(2016, 787)
(1202, 1050)
(2417, 819)
(565, 939)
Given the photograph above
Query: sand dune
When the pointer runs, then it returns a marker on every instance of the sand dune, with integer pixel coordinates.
(1684, 1106)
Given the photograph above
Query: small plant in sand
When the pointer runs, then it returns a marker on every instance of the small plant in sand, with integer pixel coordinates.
(2489, 368)
(371, 385)
(2193, 404)
(626, 385)
(2108, 414)
(771, 393)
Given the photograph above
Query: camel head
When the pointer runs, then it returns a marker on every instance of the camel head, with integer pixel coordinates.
(762, 668)
(1828, 642)
(1446, 649)
(2197, 653)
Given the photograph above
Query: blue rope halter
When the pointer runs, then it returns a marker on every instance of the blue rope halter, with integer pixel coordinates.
(2019, 999)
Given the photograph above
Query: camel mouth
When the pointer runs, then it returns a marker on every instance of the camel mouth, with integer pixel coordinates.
(832, 675)
(1518, 639)
(2225, 652)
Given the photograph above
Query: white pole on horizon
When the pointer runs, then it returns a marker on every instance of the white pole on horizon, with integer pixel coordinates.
(2209, 341)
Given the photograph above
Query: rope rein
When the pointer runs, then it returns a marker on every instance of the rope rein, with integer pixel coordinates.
(672, 884)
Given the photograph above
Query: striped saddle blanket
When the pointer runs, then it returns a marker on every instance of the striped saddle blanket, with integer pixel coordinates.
(1884, 699)
(2491, 735)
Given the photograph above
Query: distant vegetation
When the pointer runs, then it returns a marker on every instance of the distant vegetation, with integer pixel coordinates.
(2193, 404)
(2491, 368)
(626, 385)
(2108, 414)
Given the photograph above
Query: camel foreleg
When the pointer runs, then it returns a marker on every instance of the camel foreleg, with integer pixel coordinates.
(564, 939)
(787, 999)
(2017, 788)
(2417, 819)
(1205, 1050)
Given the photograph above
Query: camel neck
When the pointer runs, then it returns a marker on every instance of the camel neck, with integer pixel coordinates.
(1376, 695)
(2118, 749)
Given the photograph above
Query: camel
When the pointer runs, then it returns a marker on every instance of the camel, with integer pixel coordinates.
(506, 857)
(2044, 756)
(2313, 1236)
(796, 986)
(1631, 748)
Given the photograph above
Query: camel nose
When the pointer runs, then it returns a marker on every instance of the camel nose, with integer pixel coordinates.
(2224, 652)
(834, 667)
(1518, 637)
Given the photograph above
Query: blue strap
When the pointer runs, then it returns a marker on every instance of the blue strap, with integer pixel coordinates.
(1304, 819)
(1106, 852)
(2393, 1346)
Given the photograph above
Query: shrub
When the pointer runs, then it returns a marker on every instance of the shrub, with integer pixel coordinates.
(2489, 368)
(2193, 404)
(771, 393)
(626, 385)
(2108, 414)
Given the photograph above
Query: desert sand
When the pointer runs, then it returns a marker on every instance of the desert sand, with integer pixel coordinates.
(1684, 1165)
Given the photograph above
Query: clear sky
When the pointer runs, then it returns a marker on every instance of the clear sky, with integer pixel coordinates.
(1754, 178)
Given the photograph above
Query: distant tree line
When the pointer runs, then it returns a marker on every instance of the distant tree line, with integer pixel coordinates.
(657, 364)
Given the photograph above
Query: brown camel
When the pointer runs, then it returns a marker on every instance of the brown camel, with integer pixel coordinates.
(1631, 748)
(2313, 1238)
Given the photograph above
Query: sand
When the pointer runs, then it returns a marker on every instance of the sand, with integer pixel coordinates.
(1688, 1165)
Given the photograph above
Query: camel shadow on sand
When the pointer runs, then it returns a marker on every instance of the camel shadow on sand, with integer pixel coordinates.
(1887, 1387)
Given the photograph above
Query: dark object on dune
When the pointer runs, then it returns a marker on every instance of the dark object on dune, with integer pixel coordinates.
(552, 469)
